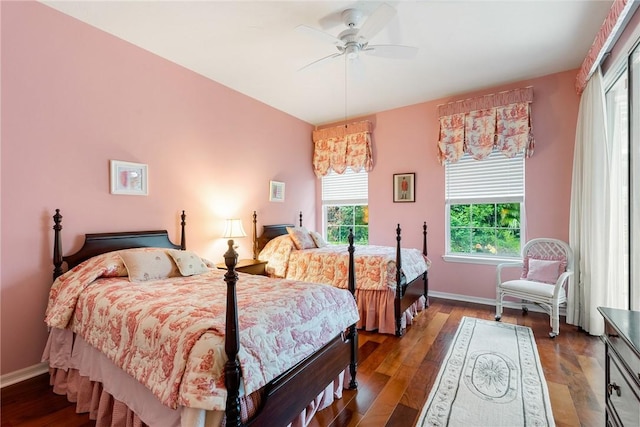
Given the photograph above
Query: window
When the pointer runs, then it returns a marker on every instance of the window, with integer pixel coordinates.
(617, 108)
(634, 178)
(484, 206)
(345, 206)
(622, 85)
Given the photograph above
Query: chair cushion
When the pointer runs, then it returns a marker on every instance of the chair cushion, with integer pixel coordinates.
(546, 271)
(527, 259)
(534, 288)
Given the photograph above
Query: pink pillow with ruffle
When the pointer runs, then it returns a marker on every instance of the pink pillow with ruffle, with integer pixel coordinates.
(545, 271)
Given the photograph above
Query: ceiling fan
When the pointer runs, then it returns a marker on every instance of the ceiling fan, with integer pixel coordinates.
(352, 41)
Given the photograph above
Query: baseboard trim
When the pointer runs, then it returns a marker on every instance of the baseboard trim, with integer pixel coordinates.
(488, 301)
(23, 374)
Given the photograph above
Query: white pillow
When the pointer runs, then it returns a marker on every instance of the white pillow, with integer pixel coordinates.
(148, 264)
(189, 263)
(318, 239)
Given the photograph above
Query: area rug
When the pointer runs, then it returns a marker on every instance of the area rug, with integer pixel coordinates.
(491, 376)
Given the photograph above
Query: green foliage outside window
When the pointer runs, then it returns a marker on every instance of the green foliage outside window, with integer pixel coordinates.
(488, 228)
(340, 219)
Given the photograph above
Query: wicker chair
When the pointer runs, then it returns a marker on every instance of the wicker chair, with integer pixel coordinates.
(546, 267)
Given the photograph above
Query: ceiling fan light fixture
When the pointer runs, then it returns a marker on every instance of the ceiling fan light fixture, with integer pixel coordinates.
(351, 51)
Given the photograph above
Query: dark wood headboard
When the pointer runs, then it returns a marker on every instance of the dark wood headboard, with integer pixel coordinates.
(269, 232)
(100, 243)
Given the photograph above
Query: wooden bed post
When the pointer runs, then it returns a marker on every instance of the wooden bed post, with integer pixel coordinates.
(255, 235)
(425, 276)
(397, 302)
(183, 239)
(424, 239)
(352, 331)
(232, 341)
(57, 245)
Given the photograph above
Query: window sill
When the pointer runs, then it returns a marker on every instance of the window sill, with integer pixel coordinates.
(479, 259)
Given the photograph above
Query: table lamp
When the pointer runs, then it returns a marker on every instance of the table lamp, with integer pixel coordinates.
(233, 229)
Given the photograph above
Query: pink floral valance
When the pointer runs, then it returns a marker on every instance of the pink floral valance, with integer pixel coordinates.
(479, 126)
(340, 147)
(612, 27)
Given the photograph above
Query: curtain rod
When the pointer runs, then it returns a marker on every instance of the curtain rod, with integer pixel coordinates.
(614, 24)
(491, 100)
(365, 125)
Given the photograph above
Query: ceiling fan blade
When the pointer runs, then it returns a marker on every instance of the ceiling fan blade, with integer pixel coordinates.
(319, 35)
(391, 51)
(376, 21)
(316, 62)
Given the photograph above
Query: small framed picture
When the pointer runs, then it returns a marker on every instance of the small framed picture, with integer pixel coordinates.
(276, 191)
(129, 178)
(404, 187)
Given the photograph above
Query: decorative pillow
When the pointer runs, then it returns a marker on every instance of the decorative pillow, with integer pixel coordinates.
(276, 252)
(301, 237)
(146, 265)
(318, 239)
(114, 265)
(189, 263)
(546, 271)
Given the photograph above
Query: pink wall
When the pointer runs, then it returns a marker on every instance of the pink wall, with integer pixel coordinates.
(73, 98)
(405, 141)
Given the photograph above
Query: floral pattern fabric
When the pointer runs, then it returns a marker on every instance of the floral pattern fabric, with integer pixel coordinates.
(451, 144)
(169, 334)
(480, 128)
(375, 266)
(276, 252)
(513, 133)
(479, 132)
(341, 147)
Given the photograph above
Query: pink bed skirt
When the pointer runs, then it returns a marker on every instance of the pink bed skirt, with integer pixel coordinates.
(114, 399)
(377, 310)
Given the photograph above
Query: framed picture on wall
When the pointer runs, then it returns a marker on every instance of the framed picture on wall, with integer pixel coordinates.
(129, 178)
(276, 191)
(404, 187)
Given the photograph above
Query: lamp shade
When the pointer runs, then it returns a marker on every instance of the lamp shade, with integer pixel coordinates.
(233, 228)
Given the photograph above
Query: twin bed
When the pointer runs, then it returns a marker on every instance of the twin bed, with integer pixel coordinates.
(145, 332)
(295, 253)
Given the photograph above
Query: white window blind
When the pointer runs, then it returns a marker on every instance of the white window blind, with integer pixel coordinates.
(350, 188)
(495, 179)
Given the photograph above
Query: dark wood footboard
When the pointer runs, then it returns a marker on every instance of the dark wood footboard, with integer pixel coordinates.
(289, 394)
(408, 293)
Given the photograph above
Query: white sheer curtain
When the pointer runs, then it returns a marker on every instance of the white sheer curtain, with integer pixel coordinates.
(595, 210)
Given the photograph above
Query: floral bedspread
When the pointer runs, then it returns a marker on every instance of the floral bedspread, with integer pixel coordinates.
(169, 334)
(375, 266)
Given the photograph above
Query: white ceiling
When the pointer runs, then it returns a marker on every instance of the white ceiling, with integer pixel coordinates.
(253, 47)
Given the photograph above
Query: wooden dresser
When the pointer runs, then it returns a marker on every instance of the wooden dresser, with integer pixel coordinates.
(622, 339)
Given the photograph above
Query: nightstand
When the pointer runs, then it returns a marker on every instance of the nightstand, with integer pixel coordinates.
(250, 266)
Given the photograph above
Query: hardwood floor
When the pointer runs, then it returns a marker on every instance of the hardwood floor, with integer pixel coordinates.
(395, 375)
